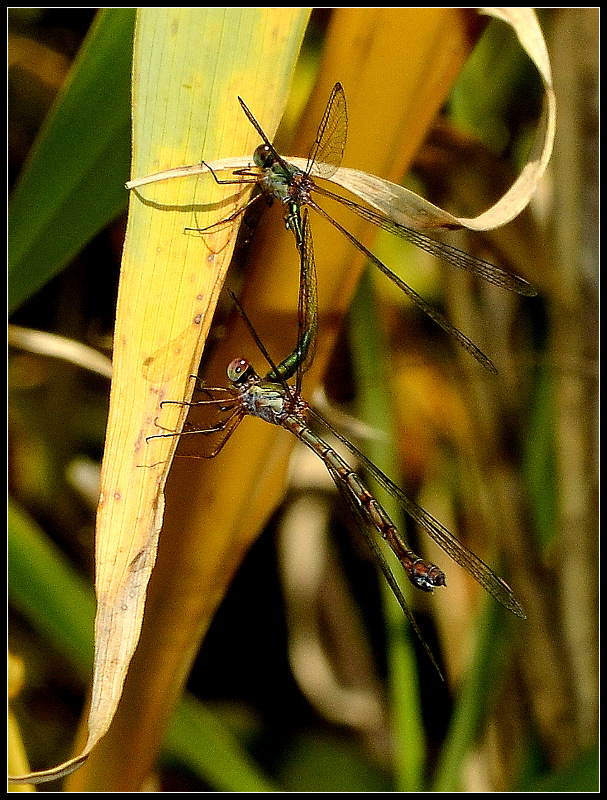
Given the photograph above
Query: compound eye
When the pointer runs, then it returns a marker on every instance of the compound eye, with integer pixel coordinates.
(238, 370)
(263, 157)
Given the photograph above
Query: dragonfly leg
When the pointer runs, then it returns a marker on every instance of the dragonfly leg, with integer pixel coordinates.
(252, 177)
(223, 223)
(170, 433)
(226, 426)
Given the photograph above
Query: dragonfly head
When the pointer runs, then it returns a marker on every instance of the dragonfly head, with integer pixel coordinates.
(264, 157)
(240, 371)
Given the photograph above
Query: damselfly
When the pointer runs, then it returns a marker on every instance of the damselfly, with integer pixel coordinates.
(296, 188)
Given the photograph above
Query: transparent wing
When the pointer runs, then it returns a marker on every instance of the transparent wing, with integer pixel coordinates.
(328, 148)
(451, 255)
(450, 329)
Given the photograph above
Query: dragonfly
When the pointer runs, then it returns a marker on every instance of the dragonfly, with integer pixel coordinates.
(272, 399)
(296, 188)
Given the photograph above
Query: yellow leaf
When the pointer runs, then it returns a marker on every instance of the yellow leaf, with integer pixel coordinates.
(188, 66)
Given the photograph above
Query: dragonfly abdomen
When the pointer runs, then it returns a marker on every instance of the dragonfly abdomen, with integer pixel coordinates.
(422, 574)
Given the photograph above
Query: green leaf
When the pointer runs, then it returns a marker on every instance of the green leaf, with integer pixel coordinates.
(198, 738)
(48, 591)
(60, 605)
(73, 183)
(368, 355)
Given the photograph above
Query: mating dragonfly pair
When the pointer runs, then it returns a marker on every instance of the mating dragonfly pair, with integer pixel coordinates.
(274, 400)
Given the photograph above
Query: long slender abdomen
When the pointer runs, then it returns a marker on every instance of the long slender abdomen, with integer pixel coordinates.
(422, 574)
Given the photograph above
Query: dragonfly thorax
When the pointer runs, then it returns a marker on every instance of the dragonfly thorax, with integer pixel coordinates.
(278, 179)
(300, 188)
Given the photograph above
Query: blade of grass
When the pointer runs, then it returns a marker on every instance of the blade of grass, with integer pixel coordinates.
(47, 590)
(472, 708)
(374, 409)
(200, 740)
(73, 182)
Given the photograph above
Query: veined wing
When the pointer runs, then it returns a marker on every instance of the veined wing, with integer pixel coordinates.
(453, 256)
(327, 151)
(485, 576)
(450, 329)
